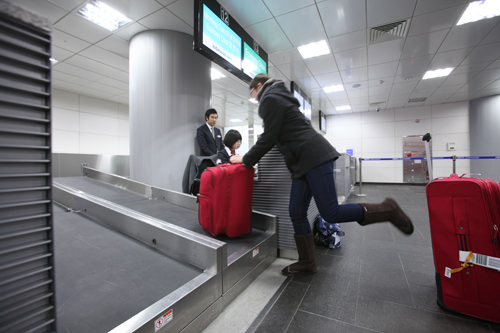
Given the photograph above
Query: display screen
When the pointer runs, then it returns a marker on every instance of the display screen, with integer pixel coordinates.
(304, 101)
(253, 64)
(222, 40)
(219, 38)
(322, 122)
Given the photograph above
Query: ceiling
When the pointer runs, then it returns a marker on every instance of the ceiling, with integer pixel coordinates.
(93, 61)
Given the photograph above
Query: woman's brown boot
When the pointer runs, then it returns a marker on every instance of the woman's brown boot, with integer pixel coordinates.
(307, 259)
(389, 211)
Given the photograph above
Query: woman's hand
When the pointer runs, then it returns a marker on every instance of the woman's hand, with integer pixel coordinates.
(236, 159)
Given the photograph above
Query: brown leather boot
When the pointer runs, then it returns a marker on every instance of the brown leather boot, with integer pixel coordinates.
(390, 211)
(307, 259)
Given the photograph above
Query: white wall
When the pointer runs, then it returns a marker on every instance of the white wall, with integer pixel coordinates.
(87, 125)
(380, 134)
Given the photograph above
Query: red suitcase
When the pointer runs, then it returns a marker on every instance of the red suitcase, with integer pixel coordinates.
(464, 215)
(225, 199)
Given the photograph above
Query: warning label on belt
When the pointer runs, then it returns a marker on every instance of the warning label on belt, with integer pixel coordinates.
(164, 320)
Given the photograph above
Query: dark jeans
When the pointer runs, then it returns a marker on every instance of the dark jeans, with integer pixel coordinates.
(319, 183)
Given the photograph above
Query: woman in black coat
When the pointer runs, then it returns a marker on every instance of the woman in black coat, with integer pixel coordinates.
(309, 157)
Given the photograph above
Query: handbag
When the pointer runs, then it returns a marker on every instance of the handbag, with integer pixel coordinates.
(328, 234)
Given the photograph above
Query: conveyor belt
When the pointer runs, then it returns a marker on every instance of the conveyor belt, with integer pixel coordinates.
(103, 277)
(160, 209)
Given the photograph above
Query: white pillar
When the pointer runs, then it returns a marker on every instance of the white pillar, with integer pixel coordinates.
(170, 89)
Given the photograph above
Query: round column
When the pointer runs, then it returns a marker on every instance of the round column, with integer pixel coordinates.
(170, 89)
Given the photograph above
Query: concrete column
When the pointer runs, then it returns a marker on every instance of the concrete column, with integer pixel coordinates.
(170, 91)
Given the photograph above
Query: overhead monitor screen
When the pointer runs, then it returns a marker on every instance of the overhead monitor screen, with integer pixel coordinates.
(221, 39)
(218, 37)
(253, 64)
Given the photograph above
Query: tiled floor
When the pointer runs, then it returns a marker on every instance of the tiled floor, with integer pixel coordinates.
(378, 281)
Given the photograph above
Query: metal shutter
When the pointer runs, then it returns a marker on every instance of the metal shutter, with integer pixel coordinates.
(27, 300)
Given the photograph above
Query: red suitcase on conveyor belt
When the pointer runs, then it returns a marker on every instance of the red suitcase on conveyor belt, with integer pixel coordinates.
(464, 216)
(225, 199)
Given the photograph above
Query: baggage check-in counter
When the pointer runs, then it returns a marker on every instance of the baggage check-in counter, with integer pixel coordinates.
(161, 222)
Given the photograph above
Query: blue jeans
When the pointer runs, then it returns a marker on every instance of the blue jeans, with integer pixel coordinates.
(319, 183)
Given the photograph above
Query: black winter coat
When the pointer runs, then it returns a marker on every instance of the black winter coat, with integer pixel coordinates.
(286, 127)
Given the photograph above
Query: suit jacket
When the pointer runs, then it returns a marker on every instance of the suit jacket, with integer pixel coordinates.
(209, 145)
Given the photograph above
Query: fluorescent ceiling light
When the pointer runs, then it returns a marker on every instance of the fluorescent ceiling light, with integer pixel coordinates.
(252, 100)
(315, 49)
(438, 73)
(105, 16)
(480, 10)
(334, 88)
(215, 74)
(53, 61)
(343, 108)
(235, 120)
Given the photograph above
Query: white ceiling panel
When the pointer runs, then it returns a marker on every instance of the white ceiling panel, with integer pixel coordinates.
(302, 26)
(424, 44)
(434, 21)
(471, 68)
(321, 65)
(467, 35)
(382, 70)
(101, 55)
(384, 52)
(115, 45)
(68, 42)
(89, 54)
(388, 11)
(342, 16)
(329, 79)
(270, 36)
(354, 75)
(183, 10)
(413, 67)
(60, 54)
(246, 12)
(81, 28)
(426, 6)
(348, 41)
(164, 19)
(449, 59)
(76, 71)
(135, 10)
(128, 31)
(483, 53)
(42, 8)
(351, 58)
(98, 67)
(277, 7)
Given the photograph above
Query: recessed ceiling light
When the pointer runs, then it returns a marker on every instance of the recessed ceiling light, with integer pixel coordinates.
(215, 74)
(334, 88)
(252, 100)
(53, 61)
(480, 10)
(315, 49)
(438, 73)
(343, 108)
(101, 14)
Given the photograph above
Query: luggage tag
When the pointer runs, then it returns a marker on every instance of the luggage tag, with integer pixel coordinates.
(481, 260)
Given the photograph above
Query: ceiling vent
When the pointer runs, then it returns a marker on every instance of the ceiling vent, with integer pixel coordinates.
(417, 100)
(388, 32)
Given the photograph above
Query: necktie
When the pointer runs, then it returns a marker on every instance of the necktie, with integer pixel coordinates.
(213, 132)
(233, 152)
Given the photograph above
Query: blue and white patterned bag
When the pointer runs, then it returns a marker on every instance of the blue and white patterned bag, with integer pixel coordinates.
(328, 234)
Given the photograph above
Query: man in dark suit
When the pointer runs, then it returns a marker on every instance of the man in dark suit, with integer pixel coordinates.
(208, 136)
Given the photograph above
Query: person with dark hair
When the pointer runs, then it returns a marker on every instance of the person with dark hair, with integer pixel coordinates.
(208, 136)
(309, 157)
(232, 141)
